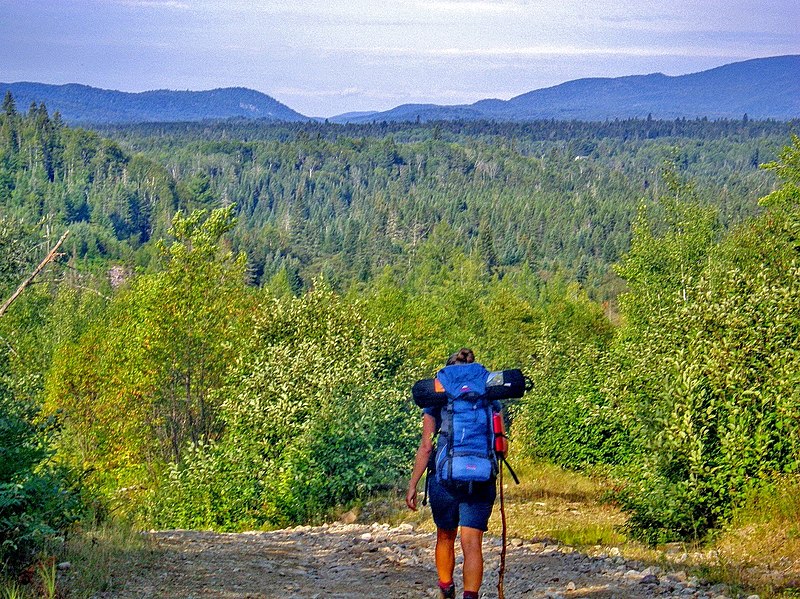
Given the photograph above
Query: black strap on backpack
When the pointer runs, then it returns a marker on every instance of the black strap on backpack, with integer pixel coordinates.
(513, 474)
(429, 472)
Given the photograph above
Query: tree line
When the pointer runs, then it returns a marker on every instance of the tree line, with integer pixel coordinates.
(275, 300)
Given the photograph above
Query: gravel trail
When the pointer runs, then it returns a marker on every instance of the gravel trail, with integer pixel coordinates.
(356, 560)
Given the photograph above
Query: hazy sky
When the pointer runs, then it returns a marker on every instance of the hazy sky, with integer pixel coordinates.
(327, 57)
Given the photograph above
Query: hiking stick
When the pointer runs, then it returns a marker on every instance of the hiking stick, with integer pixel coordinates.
(500, 594)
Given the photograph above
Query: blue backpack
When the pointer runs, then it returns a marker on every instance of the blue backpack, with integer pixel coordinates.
(465, 451)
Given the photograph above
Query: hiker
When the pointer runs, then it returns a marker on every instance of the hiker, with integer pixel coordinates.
(467, 506)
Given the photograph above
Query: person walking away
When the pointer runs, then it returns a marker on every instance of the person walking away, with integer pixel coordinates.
(467, 506)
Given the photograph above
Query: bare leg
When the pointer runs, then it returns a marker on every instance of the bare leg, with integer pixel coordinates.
(472, 546)
(445, 554)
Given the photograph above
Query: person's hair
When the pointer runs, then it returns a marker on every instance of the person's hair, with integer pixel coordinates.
(462, 356)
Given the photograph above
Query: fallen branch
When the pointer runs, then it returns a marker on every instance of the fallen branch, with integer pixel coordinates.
(39, 268)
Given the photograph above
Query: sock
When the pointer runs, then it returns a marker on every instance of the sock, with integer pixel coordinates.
(471, 595)
(445, 586)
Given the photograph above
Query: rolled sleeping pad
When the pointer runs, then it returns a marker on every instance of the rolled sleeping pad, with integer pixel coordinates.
(425, 394)
(506, 384)
(503, 384)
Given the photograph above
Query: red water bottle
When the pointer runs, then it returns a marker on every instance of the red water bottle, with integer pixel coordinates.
(500, 439)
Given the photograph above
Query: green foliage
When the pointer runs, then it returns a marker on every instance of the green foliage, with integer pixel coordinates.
(38, 500)
(36, 504)
(313, 419)
(139, 383)
(347, 201)
(70, 178)
(724, 407)
(190, 399)
(566, 418)
(14, 254)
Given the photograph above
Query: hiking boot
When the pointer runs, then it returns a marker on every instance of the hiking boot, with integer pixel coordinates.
(450, 593)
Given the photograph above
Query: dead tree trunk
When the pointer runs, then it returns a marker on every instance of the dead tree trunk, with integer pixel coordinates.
(39, 268)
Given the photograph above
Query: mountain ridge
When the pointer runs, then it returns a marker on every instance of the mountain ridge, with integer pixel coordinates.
(762, 88)
(79, 103)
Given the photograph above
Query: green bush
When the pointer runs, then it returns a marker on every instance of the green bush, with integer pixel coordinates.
(721, 403)
(565, 418)
(360, 443)
(313, 418)
(33, 511)
(216, 486)
(36, 500)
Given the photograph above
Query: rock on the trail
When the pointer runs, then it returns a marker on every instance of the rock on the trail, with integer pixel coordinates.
(348, 561)
(649, 579)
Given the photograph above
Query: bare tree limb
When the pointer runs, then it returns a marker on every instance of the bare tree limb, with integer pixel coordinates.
(39, 268)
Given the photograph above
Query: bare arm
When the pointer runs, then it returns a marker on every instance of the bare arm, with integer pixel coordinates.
(421, 460)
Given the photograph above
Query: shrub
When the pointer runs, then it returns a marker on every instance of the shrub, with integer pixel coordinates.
(313, 419)
(36, 501)
(724, 410)
(565, 418)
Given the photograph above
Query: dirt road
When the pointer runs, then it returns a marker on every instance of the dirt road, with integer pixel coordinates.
(353, 560)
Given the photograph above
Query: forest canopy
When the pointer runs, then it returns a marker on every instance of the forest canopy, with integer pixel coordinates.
(230, 336)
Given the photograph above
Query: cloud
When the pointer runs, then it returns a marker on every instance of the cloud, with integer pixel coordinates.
(470, 6)
(533, 52)
(155, 4)
(300, 92)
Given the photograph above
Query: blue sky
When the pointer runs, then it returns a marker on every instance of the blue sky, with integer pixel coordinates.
(329, 57)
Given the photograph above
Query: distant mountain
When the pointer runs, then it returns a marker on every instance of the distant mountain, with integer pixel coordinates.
(84, 104)
(357, 115)
(761, 88)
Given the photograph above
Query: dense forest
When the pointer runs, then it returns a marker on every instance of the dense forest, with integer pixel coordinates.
(229, 336)
(348, 201)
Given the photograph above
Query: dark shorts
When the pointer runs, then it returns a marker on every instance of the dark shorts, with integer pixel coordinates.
(458, 507)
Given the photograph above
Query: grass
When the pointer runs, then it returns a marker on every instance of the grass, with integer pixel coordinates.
(760, 549)
(554, 504)
(38, 580)
(100, 558)
(758, 553)
(103, 556)
(47, 577)
(10, 589)
(551, 504)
